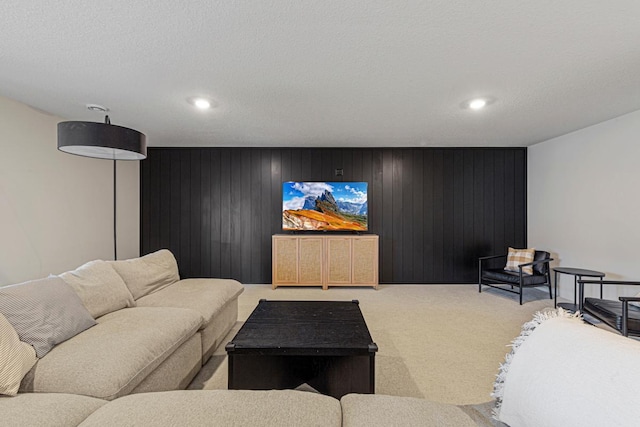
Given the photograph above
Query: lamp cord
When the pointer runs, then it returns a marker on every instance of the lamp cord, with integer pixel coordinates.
(115, 238)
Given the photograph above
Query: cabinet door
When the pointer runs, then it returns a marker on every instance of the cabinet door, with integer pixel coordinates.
(338, 260)
(285, 260)
(365, 260)
(310, 253)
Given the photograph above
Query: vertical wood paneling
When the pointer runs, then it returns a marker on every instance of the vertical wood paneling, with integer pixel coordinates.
(416, 225)
(386, 226)
(195, 218)
(406, 222)
(206, 192)
(237, 206)
(245, 213)
(225, 214)
(216, 234)
(174, 206)
(255, 206)
(448, 231)
(266, 213)
(436, 210)
(428, 237)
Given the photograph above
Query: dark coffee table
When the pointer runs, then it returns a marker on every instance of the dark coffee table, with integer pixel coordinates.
(283, 344)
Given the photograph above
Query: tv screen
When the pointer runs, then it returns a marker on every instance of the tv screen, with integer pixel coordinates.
(324, 206)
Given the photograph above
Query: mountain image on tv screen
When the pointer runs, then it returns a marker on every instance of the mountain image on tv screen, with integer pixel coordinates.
(324, 206)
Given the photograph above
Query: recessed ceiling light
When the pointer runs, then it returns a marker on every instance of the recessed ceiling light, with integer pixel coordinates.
(201, 103)
(477, 104)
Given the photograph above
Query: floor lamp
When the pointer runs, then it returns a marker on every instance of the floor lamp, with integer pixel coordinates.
(103, 141)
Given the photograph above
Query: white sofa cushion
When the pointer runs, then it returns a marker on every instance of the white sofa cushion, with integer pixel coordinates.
(227, 408)
(149, 273)
(112, 358)
(16, 358)
(100, 288)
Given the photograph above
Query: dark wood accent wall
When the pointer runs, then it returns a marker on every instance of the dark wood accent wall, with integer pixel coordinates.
(436, 210)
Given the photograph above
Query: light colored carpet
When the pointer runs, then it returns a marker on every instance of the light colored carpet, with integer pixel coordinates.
(439, 342)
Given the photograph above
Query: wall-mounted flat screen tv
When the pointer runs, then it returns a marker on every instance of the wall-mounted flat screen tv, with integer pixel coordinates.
(325, 206)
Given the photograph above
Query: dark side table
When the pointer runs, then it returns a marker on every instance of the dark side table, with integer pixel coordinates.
(578, 274)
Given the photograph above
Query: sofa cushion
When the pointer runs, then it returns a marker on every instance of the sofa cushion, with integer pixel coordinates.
(16, 358)
(100, 288)
(512, 277)
(112, 358)
(149, 273)
(365, 410)
(219, 408)
(46, 409)
(44, 312)
(206, 296)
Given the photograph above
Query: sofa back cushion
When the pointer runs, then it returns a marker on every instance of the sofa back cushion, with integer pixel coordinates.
(149, 273)
(16, 358)
(100, 288)
(44, 312)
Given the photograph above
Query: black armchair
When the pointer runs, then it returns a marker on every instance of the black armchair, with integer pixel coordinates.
(619, 315)
(492, 274)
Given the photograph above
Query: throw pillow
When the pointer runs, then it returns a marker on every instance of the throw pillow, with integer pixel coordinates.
(564, 372)
(16, 358)
(44, 312)
(516, 257)
(99, 287)
(149, 273)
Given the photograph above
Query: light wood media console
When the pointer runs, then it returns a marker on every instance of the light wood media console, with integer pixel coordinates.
(324, 260)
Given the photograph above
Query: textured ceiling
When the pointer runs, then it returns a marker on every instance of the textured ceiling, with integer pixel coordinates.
(327, 73)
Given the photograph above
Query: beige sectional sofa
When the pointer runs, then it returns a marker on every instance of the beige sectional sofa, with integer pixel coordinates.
(273, 408)
(153, 331)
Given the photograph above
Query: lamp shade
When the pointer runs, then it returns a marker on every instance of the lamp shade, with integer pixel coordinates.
(101, 140)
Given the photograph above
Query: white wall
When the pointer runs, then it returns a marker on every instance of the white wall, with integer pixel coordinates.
(56, 209)
(584, 201)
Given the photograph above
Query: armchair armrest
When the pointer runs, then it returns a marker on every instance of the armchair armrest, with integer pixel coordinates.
(628, 299)
(540, 261)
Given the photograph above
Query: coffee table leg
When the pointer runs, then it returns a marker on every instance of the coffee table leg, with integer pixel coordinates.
(372, 374)
(230, 384)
